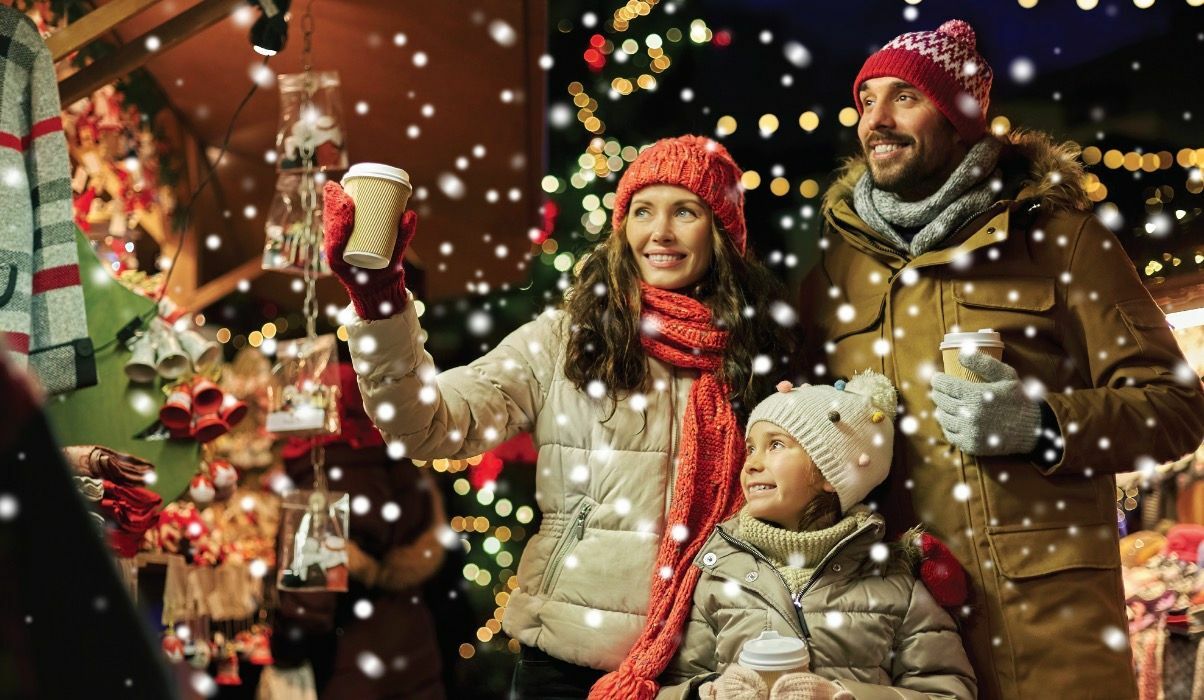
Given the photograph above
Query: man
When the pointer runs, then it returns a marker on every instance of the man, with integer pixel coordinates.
(939, 227)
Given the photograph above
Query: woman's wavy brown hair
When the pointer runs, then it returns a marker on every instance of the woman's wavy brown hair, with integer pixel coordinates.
(603, 305)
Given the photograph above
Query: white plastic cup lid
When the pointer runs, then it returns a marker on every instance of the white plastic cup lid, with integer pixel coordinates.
(982, 338)
(386, 172)
(773, 652)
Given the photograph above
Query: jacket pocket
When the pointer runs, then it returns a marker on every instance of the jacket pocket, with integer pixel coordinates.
(573, 534)
(1146, 323)
(1033, 294)
(1023, 553)
(848, 319)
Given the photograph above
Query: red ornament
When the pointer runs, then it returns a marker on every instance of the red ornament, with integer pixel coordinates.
(941, 572)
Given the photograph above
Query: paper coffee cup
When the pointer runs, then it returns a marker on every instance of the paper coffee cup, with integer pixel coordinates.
(772, 656)
(380, 193)
(984, 340)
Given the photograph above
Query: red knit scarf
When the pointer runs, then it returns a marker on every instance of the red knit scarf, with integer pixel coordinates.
(678, 330)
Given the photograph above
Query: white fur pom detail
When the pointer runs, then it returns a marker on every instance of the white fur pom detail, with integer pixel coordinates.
(878, 389)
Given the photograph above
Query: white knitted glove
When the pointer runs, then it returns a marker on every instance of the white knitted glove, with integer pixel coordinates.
(988, 418)
(735, 683)
(807, 686)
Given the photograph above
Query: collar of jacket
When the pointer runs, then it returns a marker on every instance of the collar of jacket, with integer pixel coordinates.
(1038, 173)
(720, 557)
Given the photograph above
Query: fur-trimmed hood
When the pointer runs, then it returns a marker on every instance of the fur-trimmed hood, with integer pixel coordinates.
(1034, 167)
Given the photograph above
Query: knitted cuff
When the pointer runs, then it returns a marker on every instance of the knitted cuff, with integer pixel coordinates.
(1028, 426)
(377, 302)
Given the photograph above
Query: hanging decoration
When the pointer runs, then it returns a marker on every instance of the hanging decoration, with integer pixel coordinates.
(304, 392)
(311, 123)
(309, 143)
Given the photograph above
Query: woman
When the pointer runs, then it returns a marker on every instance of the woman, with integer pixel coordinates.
(628, 392)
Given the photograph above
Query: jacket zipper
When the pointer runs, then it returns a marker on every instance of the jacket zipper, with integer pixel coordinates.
(574, 534)
(797, 598)
(798, 610)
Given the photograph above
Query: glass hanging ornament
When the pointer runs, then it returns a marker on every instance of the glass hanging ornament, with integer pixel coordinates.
(311, 134)
(313, 555)
(293, 232)
(304, 393)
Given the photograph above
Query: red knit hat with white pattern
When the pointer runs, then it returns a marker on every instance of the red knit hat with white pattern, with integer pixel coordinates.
(944, 65)
(696, 163)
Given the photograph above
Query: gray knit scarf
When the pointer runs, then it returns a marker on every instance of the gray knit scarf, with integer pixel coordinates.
(967, 192)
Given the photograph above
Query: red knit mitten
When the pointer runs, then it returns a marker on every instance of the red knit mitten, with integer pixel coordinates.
(375, 294)
(941, 572)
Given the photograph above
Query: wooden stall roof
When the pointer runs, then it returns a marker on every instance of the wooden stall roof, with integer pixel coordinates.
(437, 80)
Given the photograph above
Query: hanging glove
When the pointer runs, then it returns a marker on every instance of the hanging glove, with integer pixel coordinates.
(988, 418)
(735, 683)
(375, 294)
(807, 686)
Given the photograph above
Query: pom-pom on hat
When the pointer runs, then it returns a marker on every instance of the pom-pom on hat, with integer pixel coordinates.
(847, 429)
(700, 165)
(944, 65)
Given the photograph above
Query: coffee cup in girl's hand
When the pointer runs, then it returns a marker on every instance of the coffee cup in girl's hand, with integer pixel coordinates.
(772, 656)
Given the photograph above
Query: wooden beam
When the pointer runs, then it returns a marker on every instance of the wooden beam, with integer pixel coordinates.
(87, 28)
(135, 54)
(1182, 292)
(222, 285)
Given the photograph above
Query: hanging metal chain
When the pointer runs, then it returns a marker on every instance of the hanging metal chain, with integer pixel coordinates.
(311, 235)
(307, 29)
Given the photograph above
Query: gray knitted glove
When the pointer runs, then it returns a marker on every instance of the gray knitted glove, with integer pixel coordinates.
(989, 418)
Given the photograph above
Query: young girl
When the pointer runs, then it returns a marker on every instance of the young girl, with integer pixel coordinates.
(806, 559)
(627, 392)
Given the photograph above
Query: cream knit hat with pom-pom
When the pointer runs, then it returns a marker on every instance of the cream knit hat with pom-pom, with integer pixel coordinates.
(847, 429)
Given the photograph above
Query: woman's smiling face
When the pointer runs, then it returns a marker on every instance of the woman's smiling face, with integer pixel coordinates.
(669, 229)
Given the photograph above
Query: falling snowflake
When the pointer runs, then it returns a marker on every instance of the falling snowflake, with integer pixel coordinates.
(797, 54)
(502, 33)
(370, 664)
(9, 507)
(1022, 70)
(204, 684)
(1115, 638)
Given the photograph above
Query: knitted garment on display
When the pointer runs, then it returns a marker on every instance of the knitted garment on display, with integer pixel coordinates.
(796, 554)
(944, 65)
(700, 165)
(679, 330)
(43, 321)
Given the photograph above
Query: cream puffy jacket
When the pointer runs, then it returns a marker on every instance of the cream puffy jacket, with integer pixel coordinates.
(603, 481)
(871, 626)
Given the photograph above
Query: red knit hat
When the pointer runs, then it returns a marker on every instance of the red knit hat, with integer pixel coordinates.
(944, 65)
(696, 163)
